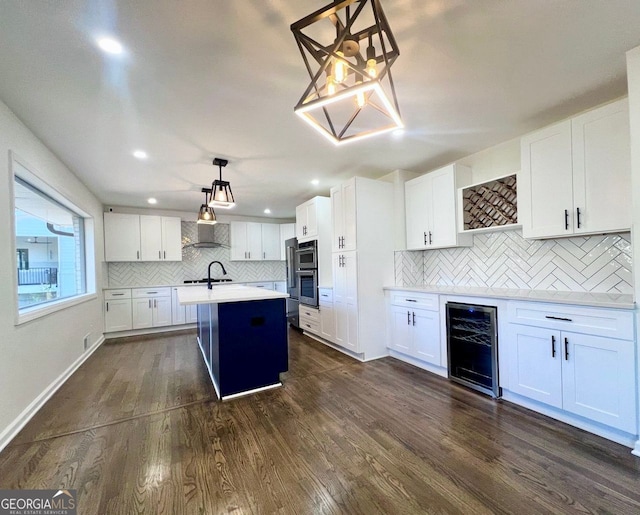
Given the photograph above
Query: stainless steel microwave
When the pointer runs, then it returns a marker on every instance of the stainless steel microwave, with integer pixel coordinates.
(307, 255)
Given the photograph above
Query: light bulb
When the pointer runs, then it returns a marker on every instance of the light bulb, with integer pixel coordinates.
(220, 195)
(340, 68)
(331, 85)
(372, 71)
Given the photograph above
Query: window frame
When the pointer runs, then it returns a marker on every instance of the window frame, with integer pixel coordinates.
(27, 173)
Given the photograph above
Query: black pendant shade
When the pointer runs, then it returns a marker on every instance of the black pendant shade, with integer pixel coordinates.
(206, 215)
(221, 194)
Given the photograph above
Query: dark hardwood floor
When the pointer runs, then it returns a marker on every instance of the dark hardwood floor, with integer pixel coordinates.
(138, 430)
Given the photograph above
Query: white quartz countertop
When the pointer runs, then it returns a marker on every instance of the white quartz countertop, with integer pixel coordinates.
(221, 293)
(602, 300)
(129, 287)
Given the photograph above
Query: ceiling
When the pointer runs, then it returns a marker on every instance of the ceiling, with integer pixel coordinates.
(205, 78)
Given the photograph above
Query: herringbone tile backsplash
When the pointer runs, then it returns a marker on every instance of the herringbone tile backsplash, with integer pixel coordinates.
(506, 260)
(194, 264)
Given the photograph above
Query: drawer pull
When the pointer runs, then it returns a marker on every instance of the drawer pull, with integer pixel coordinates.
(558, 318)
(117, 294)
(150, 292)
(324, 295)
(308, 326)
(411, 300)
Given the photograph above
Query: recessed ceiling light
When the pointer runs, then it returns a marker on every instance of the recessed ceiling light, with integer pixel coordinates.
(140, 154)
(110, 46)
(152, 200)
(315, 182)
(267, 211)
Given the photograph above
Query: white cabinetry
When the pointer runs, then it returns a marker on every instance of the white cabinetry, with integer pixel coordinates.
(117, 310)
(573, 172)
(252, 241)
(287, 231)
(343, 216)
(309, 319)
(580, 360)
(309, 216)
(182, 314)
(327, 315)
(364, 210)
(121, 237)
(142, 238)
(414, 326)
(430, 208)
(151, 307)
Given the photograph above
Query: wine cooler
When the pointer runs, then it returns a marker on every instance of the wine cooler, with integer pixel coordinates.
(472, 342)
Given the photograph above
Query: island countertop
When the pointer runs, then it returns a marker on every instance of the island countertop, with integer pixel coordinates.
(222, 293)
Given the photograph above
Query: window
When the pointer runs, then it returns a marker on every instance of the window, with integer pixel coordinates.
(50, 247)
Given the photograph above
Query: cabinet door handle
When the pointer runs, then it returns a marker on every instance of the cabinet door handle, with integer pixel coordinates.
(566, 220)
(264, 255)
(107, 307)
(165, 254)
(425, 237)
(408, 317)
(558, 318)
(566, 349)
(429, 237)
(413, 313)
(553, 346)
(137, 254)
(249, 254)
(159, 254)
(155, 303)
(411, 300)
(578, 217)
(149, 303)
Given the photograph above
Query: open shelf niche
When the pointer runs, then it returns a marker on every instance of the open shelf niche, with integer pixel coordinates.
(489, 206)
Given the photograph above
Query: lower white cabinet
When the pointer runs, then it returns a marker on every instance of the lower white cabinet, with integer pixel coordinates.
(345, 299)
(585, 374)
(327, 315)
(182, 314)
(415, 331)
(117, 310)
(151, 307)
(309, 319)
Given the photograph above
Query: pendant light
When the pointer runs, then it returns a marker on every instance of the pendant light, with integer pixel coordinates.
(206, 215)
(358, 98)
(221, 194)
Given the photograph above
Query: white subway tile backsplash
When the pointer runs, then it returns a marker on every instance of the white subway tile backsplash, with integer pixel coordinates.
(506, 260)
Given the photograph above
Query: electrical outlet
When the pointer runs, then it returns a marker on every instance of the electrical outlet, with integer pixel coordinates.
(86, 341)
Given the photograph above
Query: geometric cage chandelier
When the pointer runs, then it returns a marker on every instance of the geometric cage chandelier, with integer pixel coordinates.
(221, 194)
(348, 51)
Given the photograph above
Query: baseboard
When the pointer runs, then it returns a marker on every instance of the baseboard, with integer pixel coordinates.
(150, 330)
(349, 353)
(610, 433)
(434, 369)
(27, 414)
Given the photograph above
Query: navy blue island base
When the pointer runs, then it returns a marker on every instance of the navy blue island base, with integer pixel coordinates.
(244, 344)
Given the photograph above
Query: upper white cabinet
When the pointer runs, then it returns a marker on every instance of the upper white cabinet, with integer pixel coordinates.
(252, 241)
(287, 231)
(430, 207)
(576, 175)
(343, 216)
(142, 238)
(308, 217)
(121, 237)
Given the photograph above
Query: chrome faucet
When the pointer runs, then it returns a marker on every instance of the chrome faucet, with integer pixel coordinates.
(224, 272)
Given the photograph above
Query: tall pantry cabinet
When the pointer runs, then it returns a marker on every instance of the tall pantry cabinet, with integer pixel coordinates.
(362, 245)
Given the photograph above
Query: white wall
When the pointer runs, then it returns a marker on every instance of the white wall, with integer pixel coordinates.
(34, 354)
(496, 161)
(633, 78)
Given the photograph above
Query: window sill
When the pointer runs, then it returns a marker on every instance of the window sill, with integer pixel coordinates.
(30, 314)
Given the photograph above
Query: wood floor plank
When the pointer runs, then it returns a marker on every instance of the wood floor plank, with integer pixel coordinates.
(138, 430)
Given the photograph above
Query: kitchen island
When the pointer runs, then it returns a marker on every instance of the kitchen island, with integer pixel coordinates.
(242, 334)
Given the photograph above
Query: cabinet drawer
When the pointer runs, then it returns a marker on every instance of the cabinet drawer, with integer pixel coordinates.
(144, 293)
(326, 295)
(415, 300)
(310, 325)
(611, 323)
(309, 314)
(124, 293)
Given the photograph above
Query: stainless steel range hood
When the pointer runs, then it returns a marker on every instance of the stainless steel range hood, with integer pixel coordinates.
(206, 238)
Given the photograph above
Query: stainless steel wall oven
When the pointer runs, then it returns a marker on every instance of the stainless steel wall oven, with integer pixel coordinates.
(308, 287)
